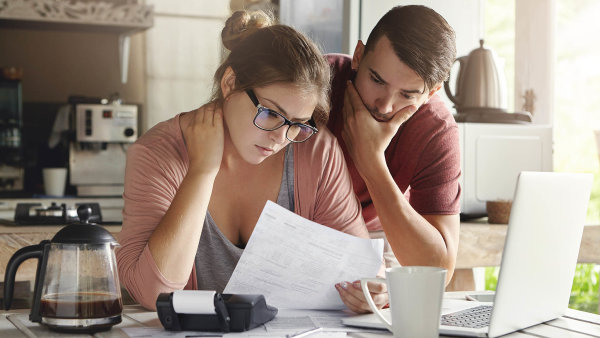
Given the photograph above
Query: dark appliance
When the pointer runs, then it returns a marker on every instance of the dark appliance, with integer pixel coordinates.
(37, 214)
(11, 126)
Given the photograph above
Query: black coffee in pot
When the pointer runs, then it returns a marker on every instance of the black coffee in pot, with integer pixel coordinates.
(81, 305)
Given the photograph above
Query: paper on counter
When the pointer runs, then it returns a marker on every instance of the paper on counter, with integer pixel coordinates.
(295, 263)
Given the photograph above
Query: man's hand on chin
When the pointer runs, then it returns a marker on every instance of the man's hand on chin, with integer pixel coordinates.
(367, 134)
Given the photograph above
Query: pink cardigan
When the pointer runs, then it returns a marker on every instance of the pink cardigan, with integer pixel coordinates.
(158, 162)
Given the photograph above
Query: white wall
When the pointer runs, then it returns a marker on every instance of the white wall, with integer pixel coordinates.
(183, 51)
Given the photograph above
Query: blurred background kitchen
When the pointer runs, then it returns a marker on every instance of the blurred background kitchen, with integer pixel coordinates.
(81, 80)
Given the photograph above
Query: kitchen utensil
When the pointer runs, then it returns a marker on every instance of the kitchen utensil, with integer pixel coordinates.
(77, 285)
(480, 85)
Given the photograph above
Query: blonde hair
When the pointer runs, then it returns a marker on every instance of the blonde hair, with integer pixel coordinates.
(263, 53)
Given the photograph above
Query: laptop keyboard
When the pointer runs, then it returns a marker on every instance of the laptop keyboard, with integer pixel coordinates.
(476, 317)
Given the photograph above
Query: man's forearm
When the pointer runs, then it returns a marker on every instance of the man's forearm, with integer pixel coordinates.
(415, 239)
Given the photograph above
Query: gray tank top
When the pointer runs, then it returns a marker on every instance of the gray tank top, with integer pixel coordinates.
(216, 256)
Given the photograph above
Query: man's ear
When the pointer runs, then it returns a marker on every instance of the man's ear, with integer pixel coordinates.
(228, 82)
(434, 90)
(359, 50)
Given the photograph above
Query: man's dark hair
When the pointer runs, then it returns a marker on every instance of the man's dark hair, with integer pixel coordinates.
(421, 38)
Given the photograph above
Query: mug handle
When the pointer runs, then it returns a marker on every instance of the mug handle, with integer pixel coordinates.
(365, 289)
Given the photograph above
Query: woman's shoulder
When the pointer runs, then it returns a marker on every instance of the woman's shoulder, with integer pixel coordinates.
(165, 132)
(319, 152)
(160, 148)
(322, 143)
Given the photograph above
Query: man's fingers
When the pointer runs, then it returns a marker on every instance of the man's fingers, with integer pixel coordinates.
(348, 108)
(353, 95)
(403, 115)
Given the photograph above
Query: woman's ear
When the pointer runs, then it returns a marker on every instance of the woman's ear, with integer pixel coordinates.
(228, 82)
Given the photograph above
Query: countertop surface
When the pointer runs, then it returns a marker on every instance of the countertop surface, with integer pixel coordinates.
(139, 322)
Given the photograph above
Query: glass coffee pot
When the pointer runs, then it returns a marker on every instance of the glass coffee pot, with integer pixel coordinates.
(76, 285)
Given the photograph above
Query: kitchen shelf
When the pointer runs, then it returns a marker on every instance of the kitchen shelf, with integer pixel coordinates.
(118, 17)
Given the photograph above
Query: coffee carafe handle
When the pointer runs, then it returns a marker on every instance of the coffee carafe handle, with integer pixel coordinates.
(23, 254)
(456, 98)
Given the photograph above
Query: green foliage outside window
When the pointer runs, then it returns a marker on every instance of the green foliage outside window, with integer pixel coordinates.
(584, 294)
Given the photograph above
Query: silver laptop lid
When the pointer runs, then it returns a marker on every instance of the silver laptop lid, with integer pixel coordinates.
(541, 249)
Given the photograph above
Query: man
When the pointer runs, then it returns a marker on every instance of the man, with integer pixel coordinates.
(400, 140)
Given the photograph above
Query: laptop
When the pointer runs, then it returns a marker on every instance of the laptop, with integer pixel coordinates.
(538, 262)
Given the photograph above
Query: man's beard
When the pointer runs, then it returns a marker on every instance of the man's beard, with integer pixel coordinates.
(378, 116)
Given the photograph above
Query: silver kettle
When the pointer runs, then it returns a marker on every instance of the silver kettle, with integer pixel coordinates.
(480, 85)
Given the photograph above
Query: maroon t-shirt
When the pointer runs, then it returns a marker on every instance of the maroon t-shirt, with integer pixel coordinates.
(423, 157)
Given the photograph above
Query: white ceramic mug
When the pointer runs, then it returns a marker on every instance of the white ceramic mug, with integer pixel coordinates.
(54, 181)
(415, 294)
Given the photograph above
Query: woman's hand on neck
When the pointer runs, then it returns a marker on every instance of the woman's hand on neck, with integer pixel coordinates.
(203, 132)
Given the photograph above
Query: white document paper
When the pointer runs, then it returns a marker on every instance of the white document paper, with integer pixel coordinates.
(295, 263)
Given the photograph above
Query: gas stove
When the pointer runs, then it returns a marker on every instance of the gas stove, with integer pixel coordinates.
(55, 214)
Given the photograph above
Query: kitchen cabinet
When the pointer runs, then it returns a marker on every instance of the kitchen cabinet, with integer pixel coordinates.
(124, 19)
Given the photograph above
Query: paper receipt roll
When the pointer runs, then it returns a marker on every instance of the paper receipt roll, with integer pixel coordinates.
(194, 302)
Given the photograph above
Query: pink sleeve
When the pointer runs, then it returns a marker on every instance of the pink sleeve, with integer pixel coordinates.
(324, 191)
(149, 189)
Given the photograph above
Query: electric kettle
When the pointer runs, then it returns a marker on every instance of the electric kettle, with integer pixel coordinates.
(76, 285)
(480, 85)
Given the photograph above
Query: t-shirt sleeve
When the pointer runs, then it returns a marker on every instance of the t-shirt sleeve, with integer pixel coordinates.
(435, 188)
(148, 193)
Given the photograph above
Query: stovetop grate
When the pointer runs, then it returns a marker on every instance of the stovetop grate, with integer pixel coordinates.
(33, 214)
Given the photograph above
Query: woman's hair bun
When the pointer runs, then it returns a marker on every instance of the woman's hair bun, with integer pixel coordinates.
(243, 23)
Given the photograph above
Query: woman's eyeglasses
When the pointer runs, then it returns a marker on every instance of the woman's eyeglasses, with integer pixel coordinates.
(267, 119)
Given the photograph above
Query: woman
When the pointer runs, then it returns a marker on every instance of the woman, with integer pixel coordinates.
(196, 184)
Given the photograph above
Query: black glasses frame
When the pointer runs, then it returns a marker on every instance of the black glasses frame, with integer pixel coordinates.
(311, 123)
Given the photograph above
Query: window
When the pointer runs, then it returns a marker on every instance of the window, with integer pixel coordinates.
(574, 105)
(577, 103)
(499, 36)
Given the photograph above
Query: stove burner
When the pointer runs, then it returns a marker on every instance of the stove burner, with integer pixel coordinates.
(36, 214)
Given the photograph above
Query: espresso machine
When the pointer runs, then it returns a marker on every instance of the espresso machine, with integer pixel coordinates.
(11, 125)
(97, 154)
